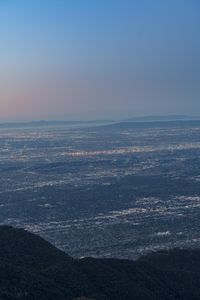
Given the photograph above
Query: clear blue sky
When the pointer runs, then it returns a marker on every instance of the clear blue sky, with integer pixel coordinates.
(79, 59)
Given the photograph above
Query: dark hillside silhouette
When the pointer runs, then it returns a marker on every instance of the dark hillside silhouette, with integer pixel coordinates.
(32, 268)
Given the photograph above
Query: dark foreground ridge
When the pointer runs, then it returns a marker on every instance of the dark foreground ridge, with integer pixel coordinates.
(33, 269)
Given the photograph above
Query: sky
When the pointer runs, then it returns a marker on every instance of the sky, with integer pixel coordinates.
(102, 59)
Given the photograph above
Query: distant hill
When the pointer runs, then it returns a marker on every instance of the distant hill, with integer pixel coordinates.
(51, 123)
(164, 118)
(128, 125)
(32, 268)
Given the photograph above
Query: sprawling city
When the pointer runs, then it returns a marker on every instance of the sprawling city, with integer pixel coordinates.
(99, 150)
(116, 190)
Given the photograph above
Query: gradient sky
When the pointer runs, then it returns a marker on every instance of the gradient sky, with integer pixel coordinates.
(79, 59)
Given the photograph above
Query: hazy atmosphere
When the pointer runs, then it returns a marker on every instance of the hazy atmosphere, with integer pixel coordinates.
(100, 149)
(89, 59)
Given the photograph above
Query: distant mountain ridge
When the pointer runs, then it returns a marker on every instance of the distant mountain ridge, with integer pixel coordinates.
(32, 268)
(44, 123)
(143, 119)
(165, 118)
